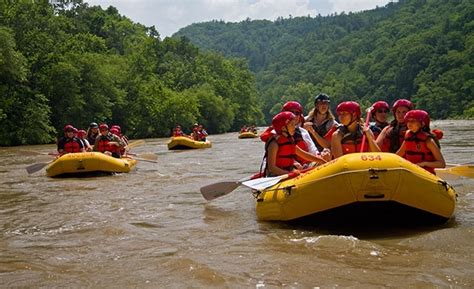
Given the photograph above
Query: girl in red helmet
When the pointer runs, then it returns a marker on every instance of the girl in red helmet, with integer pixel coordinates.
(379, 114)
(419, 146)
(391, 137)
(69, 143)
(108, 143)
(281, 149)
(348, 137)
(320, 122)
(301, 136)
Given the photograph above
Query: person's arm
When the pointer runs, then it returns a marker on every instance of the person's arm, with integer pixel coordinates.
(309, 157)
(401, 150)
(271, 160)
(439, 161)
(373, 147)
(336, 146)
(320, 139)
(96, 144)
(381, 137)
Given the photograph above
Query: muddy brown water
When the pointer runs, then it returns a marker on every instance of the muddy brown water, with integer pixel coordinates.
(151, 228)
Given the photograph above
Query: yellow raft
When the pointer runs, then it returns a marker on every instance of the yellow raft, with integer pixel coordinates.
(248, 134)
(182, 143)
(357, 178)
(89, 162)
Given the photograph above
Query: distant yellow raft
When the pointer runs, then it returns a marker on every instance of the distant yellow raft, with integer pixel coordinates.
(352, 178)
(183, 142)
(248, 134)
(77, 163)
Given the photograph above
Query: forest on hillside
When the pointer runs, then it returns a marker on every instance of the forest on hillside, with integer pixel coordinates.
(421, 50)
(75, 64)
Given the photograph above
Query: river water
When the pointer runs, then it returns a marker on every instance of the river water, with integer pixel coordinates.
(151, 228)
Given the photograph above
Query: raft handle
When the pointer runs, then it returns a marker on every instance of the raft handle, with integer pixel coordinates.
(374, 196)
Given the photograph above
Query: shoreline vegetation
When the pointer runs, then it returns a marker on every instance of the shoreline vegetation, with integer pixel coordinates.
(71, 63)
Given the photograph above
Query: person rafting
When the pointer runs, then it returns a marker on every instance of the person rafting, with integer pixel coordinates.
(69, 143)
(92, 132)
(243, 129)
(108, 143)
(391, 137)
(81, 135)
(281, 149)
(379, 114)
(420, 145)
(320, 122)
(349, 137)
(301, 133)
(177, 131)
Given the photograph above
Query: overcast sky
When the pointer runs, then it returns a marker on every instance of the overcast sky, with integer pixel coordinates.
(168, 16)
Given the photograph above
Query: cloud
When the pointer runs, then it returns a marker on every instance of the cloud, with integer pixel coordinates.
(168, 16)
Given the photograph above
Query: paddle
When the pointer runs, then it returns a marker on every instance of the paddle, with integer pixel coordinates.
(36, 167)
(213, 191)
(459, 170)
(147, 156)
(136, 143)
(216, 190)
(367, 118)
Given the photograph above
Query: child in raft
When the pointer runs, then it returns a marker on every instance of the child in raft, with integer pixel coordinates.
(281, 149)
(420, 145)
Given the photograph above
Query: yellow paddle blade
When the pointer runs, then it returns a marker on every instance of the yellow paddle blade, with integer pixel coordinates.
(462, 170)
(136, 143)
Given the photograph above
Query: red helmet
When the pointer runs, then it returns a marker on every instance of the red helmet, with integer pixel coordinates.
(402, 102)
(349, 106)
(281, 120)
(293, 106)
(81, 133)
(419, 115)
(103, 126)
(115, 131)
(117, 127)
(68, 128)
(379, 105)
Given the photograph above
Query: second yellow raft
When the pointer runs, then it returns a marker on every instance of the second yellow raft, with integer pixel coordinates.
(182, 142)
(88, 162)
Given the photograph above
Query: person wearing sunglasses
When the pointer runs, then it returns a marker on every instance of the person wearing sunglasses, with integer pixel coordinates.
(320, 122)
(392, 136)
(379, 113)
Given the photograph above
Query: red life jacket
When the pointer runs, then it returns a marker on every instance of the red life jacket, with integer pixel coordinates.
(72, 145)
(351, 141)
(286, 154)
(104, 145)
(297, 137)
(394, 138)
(416, 149)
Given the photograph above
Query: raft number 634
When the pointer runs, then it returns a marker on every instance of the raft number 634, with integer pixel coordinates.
(371, 157)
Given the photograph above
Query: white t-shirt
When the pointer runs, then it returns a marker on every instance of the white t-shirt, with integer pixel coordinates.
(312, 149)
